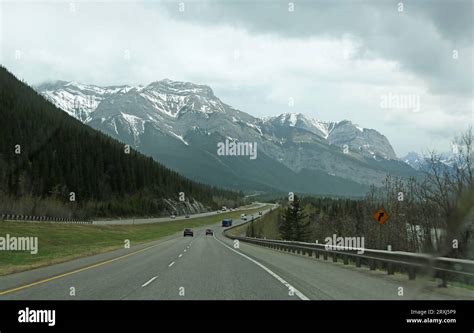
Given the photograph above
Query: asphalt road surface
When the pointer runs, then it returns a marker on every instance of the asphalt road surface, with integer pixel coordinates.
(169, 219)
(211, 268)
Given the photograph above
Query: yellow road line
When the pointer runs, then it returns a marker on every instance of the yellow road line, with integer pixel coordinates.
(9, 291)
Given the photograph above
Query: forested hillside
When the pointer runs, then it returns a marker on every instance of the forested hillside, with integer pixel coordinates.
(432, 215)
(51, 162)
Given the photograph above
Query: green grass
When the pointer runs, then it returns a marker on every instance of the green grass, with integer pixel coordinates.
(265, 226)
(59, 242)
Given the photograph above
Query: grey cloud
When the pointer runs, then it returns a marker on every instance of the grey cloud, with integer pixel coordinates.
(421, 38)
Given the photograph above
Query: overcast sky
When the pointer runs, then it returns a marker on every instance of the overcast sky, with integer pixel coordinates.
(350, 60)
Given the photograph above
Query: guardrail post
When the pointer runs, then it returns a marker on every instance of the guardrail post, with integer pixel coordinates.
(358, 262)
(346, 260)
(372, 264)
(444, 281)
(411, 273)
(390, 269)
(316, 254)
(325, 255)
(334, 257)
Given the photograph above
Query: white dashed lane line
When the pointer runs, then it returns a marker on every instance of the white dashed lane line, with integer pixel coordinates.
(149, 281)
(171, 264)
(180, 255)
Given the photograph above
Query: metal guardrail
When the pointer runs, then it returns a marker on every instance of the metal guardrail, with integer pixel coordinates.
(446, 269)
(32, 218)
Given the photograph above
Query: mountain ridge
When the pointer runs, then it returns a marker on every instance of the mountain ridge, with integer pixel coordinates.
(59, 155)
(152, 117)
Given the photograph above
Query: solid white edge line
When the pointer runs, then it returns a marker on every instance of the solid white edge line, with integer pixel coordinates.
(149, 281)
(276, 276)
(171, 264)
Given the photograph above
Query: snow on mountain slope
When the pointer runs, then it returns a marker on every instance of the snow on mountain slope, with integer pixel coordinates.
(78, 100)
(299, 120)
(176, 115)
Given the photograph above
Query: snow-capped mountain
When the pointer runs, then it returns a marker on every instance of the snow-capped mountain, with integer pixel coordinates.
(76, 99)
(367, 142)
(415, 160)
(422, 162)
(180, 124)
(299, 120)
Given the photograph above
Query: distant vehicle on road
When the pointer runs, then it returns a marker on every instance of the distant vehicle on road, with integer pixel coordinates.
(172, 216)
(209, 232)
(224, 208)
(227, 222)
(243, 217)
(187, 216)
(188, 232)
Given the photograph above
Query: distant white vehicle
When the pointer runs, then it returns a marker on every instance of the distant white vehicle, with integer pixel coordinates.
(224, 208)
(173, 216)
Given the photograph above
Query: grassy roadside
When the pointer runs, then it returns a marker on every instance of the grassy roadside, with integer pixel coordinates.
(62, 242)
(265, 226)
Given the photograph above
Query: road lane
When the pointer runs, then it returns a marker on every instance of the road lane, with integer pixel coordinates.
(205, 267)
(114, 280)
(325, 280)
(210, 271)
(202, 267)
(169, 219)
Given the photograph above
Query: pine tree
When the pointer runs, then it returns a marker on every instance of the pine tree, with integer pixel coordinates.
(295, 225)
(250, 230)
(59, 154)
(285, 225)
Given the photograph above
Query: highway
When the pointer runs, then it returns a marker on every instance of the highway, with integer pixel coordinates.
(168, 219)
(211, 268)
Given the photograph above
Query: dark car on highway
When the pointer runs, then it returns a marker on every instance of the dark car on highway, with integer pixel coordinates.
(209, 232)
(188, 232)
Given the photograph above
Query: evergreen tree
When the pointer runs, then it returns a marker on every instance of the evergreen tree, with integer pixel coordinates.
(295, 225)
(250, 230)
(47, 154)
(285, 225)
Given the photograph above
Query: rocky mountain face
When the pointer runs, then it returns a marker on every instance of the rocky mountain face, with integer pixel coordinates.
(181, 124)
(422, 162)
(415, 160)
